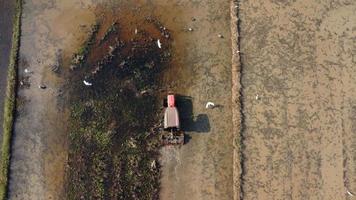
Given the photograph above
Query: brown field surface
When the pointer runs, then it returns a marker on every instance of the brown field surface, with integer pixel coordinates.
(299, 99)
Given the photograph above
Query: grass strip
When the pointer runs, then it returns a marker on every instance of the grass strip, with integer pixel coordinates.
(10, 102)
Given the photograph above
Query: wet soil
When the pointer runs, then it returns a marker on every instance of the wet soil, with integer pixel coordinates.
(299, 98)
(7, 9)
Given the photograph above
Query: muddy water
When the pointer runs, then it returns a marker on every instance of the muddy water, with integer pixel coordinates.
(7, 9)
(298, 78)
(39, 145)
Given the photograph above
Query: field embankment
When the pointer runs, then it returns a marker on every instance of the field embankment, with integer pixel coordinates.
(237, 116)
(10, 102)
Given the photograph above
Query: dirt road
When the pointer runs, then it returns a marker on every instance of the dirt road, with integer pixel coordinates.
(7, 9)
(299, 99)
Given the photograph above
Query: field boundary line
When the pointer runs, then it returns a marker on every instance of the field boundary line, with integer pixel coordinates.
(10, 102)
(237, 115)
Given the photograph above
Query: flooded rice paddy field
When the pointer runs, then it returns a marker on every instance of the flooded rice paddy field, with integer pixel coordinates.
(298, 98)
(193, 61)
(299, 83)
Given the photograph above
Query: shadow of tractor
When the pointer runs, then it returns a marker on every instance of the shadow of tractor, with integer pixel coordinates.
(190, 122)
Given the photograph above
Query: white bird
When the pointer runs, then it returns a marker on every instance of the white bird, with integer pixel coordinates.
(87, 83)
(349, 193)
(159, 44)
(210, 105)
(153, 164)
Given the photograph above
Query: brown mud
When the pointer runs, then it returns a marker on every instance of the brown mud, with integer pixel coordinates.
(299, 99)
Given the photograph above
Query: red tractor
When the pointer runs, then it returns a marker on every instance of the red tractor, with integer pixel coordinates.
(172, 135)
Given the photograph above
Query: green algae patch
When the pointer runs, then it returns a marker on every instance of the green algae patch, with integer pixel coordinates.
(114, 104)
